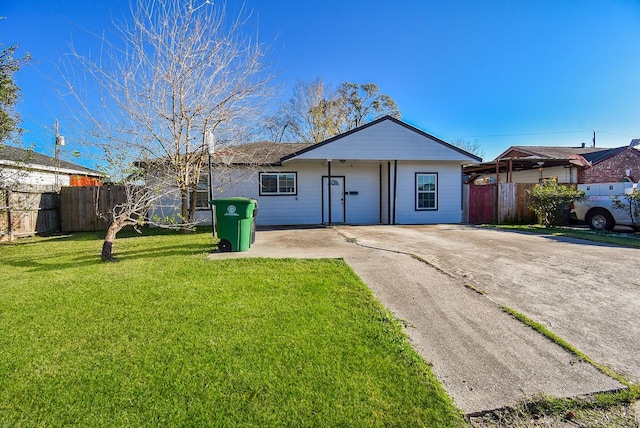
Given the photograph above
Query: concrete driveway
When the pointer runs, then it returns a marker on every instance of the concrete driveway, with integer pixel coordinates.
(588, 294)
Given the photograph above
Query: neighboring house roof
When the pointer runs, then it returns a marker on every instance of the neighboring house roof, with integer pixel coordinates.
(530, 157)
(595, 157)
(548, 152)
(28, 159)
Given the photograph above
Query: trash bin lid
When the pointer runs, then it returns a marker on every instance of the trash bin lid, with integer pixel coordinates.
(232, 200)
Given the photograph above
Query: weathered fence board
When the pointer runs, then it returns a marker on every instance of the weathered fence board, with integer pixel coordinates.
(509, 203)
(28, 210)
(481, 204)
(87, 208)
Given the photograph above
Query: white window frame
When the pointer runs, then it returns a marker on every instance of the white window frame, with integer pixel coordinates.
(279, 192)
(202, 188)
(419, 191)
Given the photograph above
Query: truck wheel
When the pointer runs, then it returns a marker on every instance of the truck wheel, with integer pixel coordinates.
(600, 220)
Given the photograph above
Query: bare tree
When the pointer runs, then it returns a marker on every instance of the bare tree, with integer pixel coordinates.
(174, 72)
(473, 147)
(316, 112)
(364, 103)
(313, 113)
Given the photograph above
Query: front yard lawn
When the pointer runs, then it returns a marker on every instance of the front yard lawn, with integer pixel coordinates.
(164, 337)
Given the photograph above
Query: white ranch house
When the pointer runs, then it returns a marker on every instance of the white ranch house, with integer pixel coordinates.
(385, 172)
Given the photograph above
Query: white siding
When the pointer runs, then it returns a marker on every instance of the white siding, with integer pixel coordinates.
(366, 159)
(40, 178)
(361, 208)
(363, 178)
(449, 193)
(303, 208)
(383, 141)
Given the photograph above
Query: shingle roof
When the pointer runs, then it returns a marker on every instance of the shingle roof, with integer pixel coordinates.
(262, 152)
(595, 157)
(553, 152)
(529, 157)
(29, 158)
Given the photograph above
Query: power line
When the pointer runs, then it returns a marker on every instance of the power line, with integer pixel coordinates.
(525, 134)
(546, 133)
(614, 133)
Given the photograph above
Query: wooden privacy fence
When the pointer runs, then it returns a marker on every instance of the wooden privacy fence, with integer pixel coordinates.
(28, 210)
(504, 203)
(79, 207)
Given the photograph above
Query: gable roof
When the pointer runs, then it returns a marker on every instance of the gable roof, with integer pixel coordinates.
(22, 158)
(374, 123)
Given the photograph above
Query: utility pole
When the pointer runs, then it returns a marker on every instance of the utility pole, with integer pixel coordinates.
(211, 142)
(59, 142)
(594, 138)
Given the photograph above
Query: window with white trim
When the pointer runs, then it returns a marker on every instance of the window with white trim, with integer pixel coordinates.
(202, 193)
(426, 191)
(280, 183)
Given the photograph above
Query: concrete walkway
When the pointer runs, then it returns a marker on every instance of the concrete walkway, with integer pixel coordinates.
(484, 358)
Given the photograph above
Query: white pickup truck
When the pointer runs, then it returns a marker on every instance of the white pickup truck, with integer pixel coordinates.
(605, 206)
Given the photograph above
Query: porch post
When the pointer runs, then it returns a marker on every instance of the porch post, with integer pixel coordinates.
(395, 190)
(510, 178)
(389, 192)
(329, 190)
(380, 193)
(496, 204)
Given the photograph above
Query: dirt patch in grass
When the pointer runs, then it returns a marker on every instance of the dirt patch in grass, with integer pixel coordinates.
(621, 415)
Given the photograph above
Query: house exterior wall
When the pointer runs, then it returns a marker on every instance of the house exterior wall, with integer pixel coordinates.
(372, 180)
(449, 186)
(379, 163)
(306, 206)
(385, 140)
(38, 178)
(614, 168)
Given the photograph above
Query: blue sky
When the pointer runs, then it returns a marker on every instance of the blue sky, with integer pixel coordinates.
(504, 73)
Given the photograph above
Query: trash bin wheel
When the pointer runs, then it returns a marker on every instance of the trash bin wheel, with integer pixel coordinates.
(224, 246)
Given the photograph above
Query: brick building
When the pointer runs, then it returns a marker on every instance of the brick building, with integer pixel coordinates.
(612, 166)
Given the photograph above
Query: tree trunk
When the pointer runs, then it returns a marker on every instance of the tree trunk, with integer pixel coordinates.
(184, 210)
(107, 245)
(191, 216)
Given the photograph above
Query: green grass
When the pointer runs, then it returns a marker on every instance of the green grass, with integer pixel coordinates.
(613, 238)
(540, 328)
(164, 337)
(549, 405)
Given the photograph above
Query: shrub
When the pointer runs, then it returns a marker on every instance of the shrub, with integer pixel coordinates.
(552, 202)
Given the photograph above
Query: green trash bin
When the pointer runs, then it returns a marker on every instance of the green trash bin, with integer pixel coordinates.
(234, 223)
